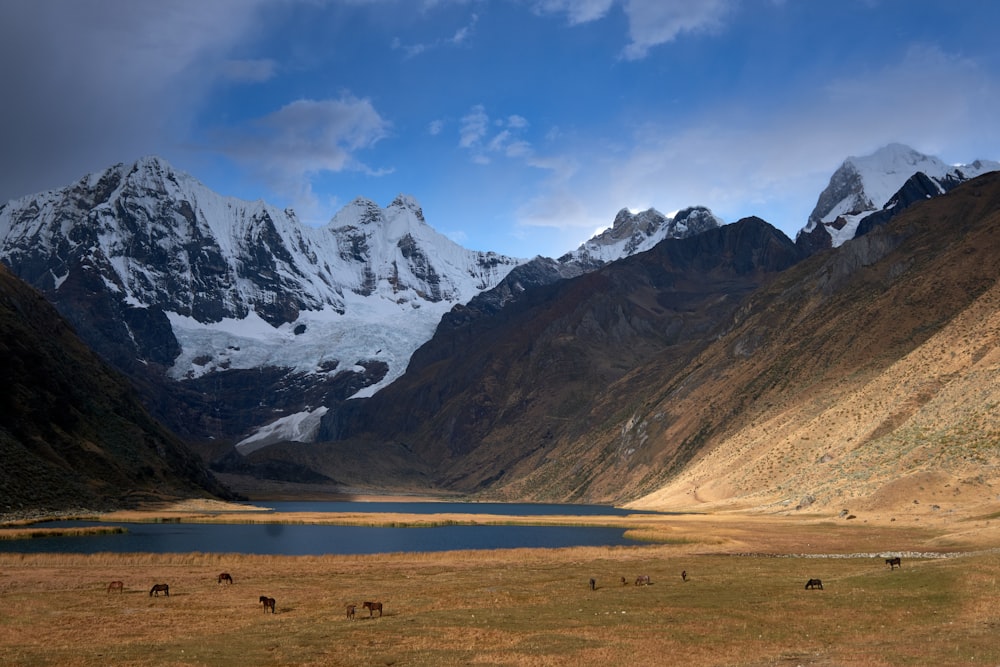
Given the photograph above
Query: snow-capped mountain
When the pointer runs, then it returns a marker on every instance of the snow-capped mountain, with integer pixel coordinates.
(865, 185)
(153, 267)
(637, 232)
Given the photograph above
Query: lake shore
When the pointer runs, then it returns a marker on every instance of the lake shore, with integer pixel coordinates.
(717, 532)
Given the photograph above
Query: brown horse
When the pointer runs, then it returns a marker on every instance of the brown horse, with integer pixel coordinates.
(371, 607)
(814, 583)
(893, 563)
(116, 586)
(350, 611)
(268, 603)
(159, 588)
(642, 581)
(225, 576)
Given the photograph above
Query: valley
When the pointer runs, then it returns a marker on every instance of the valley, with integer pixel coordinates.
(741, 603)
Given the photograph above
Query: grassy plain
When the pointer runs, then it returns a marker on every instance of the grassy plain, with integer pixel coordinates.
(744, 602)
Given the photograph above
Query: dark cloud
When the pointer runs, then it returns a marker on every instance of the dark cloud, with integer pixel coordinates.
(87, 83)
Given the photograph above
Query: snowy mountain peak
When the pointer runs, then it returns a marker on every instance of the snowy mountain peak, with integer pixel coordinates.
(408, 203)
(637, 232)
(866, 184)
(227, 284)
(360, 211)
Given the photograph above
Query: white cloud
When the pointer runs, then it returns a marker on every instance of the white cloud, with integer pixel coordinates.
(303, 139)
(651, 22)
(473, 127)
(104, 81)
(435, 127)
(577, 11)
(774, 161)
(460, 37)
(655, 22)
(484, 137)
(517, 122)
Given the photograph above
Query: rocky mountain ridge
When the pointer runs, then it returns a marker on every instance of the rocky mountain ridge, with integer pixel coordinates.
(263, 321)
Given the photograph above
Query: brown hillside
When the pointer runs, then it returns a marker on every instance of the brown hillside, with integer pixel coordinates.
(72, 432)
(865, 379)
(495, 395)
(715, 372)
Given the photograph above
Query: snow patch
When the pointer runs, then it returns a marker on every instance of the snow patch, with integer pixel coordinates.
(300, 427)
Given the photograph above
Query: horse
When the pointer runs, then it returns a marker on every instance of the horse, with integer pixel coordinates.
(593, 584)
(814, 583)
(624, 583)
(116, 586)
(371, 607)
(350, 611)
(159, 588)
(642, 580)
(684, 575)
(268, 603)
(893, 563)
(225, 576)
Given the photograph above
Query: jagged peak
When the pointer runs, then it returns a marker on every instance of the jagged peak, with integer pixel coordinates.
(408, 203)
(360, 211)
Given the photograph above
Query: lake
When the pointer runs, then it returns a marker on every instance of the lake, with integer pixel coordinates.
(302, 540)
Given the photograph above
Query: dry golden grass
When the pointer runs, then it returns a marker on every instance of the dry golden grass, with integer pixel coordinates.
(522, 606)
(31, 533)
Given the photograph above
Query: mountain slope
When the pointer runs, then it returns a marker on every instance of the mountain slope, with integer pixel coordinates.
(864, 379)
(495, 391)
(72, 433)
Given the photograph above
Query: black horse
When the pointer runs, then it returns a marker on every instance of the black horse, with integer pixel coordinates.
(268, 603)
(814, 583)
(893, 563)
(159, 588)
(225, 576)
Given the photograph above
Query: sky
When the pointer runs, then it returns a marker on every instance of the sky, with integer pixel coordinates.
(520, 126)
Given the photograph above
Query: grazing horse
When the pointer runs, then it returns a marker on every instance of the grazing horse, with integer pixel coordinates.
(893, 563)
(159, 588)
(268, 603)
(642, 580)
(116, 586)
(350, 611)
(814, 583)
(371, 607)
(593, 584)
(225, 576)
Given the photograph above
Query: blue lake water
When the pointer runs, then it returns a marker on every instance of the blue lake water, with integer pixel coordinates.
(299, 540)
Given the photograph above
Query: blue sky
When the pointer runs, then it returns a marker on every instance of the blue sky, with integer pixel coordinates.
(521, 126)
